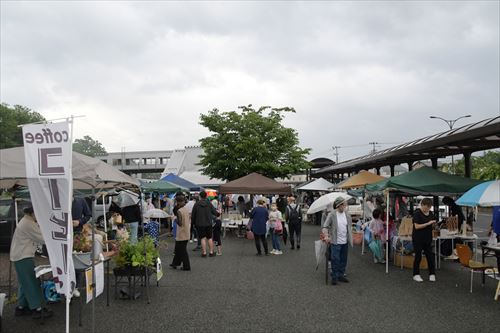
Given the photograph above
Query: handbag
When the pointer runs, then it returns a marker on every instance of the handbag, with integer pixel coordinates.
(278, 227)
(249, 235)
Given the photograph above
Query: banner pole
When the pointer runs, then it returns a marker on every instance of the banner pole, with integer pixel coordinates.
(69, 235)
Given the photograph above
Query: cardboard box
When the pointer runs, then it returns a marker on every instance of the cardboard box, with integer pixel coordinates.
(408, 261)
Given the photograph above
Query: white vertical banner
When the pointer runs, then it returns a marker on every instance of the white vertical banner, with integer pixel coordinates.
(48, 154)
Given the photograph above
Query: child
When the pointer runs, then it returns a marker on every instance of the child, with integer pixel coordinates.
(276, 228)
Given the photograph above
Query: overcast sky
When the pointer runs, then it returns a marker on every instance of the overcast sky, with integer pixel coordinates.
(356, 72)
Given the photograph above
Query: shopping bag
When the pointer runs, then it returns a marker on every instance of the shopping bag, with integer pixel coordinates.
(320, 249)
(492, 240)
(249, 234)
(376, 248)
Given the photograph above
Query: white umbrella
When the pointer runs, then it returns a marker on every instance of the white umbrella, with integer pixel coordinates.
(322, 202)
(126, 199)
(156, 214)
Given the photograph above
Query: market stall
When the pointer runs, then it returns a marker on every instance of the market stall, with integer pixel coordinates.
(423, 181)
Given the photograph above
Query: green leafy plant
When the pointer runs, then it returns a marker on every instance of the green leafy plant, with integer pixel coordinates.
(143, 253)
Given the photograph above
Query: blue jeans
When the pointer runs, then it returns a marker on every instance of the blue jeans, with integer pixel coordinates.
(134, 228)
(276, 241)
(338, 256)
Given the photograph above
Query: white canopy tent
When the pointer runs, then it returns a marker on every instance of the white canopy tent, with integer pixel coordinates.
(319, 184)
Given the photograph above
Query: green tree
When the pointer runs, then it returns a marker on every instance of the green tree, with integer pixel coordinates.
(10, 117)
(249, 141)
(88, 146)
(486, 167)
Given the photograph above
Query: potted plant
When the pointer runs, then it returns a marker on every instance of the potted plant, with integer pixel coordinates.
(136, 259)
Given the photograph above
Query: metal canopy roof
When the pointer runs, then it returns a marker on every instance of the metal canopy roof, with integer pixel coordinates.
(482, 135)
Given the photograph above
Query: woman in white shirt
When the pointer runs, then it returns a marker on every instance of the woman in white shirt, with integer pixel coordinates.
(22, 252)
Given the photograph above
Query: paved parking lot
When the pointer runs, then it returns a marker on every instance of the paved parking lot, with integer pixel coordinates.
(239, 292)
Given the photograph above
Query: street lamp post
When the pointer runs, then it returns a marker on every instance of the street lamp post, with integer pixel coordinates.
(450, 123)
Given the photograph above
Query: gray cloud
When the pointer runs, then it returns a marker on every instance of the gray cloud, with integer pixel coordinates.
(356, 72)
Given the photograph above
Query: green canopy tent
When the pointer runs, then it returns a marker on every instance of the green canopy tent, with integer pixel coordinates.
(423, 181)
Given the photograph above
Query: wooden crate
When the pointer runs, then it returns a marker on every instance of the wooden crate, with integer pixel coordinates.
(408, 261)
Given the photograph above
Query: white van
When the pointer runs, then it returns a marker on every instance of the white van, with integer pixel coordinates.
(355, 208)
(98, 209)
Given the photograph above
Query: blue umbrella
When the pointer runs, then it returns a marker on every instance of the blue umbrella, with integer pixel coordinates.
(485, 194)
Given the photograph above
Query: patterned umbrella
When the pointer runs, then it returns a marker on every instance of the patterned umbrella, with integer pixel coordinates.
(486, 194)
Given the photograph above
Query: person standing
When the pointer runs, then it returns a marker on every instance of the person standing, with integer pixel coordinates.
(22, 252)
(80, 213)
(281, 202)
(294, 221)
(423, 222)
(276, 228)
(259, 216)
(132, 216)
(202, 217)
(337, 231)
(182, 235)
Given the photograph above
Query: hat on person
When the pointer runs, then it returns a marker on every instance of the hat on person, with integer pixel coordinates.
(338, 201)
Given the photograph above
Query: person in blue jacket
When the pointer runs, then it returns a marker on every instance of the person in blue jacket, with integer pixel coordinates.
(259, 216)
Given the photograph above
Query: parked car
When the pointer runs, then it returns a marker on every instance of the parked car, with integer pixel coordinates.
(8, 220)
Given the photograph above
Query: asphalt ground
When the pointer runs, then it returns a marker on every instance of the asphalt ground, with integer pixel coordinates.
(240, 292)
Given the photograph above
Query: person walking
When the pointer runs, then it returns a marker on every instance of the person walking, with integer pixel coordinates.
(294, 221)
(337, 231)
(423, 222)
(282, 203)
(22, 253)
(202, 216)
(182, 235)
(275, 228)
(259, 216)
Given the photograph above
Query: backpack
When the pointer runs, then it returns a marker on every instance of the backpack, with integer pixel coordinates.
(294, 215)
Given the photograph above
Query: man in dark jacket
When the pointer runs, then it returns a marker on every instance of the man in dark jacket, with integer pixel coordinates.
(80, 212)
(202, 217)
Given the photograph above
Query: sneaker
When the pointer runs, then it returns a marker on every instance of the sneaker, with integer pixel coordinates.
(432, 278)
(375, 260)
(219, 253)
(292, 248)
(195, 239)
(273, 251)
(334, 282)
(278, 252)
(417, 278)
(22, 311)
(190, 241)
(76, 293)
(343, 279)
(46, 313)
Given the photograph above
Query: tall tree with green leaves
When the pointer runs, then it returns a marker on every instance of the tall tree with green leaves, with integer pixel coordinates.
(88, 146)
(486, 167)
(250, 140)
(10, 117)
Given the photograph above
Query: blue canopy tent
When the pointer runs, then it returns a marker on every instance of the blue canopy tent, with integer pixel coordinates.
(182, 182)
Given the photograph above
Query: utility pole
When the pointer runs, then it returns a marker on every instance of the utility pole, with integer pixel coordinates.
(336, 153)
(374, 149)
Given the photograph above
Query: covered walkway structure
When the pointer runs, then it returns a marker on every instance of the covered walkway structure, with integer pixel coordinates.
(465, 140)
